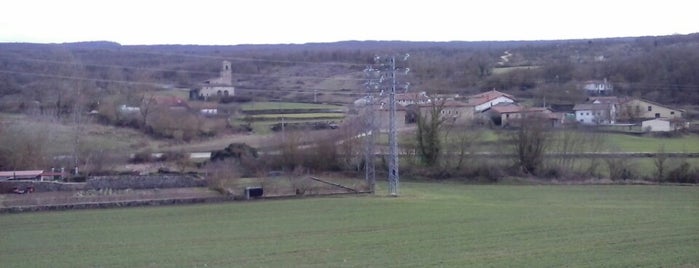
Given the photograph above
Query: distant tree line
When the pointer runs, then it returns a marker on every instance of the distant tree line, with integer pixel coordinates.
(662, 69)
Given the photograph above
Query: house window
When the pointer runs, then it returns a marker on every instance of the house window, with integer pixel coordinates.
(650, 108)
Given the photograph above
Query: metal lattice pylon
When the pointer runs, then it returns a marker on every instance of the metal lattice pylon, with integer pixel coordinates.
(385, 72)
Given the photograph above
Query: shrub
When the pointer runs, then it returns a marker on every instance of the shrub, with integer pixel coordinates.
(142, 157)
(683, 174)
(219, 173)
(619, 169)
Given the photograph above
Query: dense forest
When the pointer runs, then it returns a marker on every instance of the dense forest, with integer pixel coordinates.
(663, 69)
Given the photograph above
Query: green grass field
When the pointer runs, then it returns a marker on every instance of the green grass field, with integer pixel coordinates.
(629, 143)
(253, 106)
(615, 142)
(299, 116)
(431, 224)
(504, 70)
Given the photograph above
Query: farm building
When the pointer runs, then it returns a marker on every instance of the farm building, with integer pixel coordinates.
(29, 175)
(452, 111)
(661, 125)
(635, 109)
(485, 100)
(509, 114)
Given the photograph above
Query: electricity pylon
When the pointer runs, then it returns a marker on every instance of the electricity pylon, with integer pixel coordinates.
(381, 73)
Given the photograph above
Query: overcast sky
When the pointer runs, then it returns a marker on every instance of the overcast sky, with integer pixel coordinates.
(210, 22)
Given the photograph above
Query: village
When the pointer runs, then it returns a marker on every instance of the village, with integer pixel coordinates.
(601, 111)
(349, 134)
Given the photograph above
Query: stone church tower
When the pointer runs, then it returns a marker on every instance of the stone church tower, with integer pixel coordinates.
(226, 73)
(218, 87)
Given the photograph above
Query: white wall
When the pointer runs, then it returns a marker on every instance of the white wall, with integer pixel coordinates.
(656, 125)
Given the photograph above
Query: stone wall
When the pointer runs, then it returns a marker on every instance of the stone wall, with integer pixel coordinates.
(131, 203)
(108, 182)
(144, 182)
(41, 186)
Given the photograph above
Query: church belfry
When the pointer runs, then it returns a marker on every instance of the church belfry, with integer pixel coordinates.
(226, 73)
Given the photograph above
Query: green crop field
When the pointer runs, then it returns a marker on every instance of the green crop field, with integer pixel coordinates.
(253, 106)
(300, 116)
(430, 224)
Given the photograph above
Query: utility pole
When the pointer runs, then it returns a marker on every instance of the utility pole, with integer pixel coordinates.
(387, 69)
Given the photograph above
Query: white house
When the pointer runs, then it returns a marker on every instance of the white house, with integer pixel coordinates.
(209, 111)
(598, 87)
(123, 109)
(595, 113)
(485, 100)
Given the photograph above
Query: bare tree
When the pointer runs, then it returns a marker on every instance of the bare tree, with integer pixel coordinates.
(146, 106)
(290, 151)
(529, 143)
(620, 168)
(429, 126)
(322, 154)
(350, 144)
(630, 113)
(463, 146)
(23, 147)
(98, 159)
(221, 174)
(660, 163)
(569, 143)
